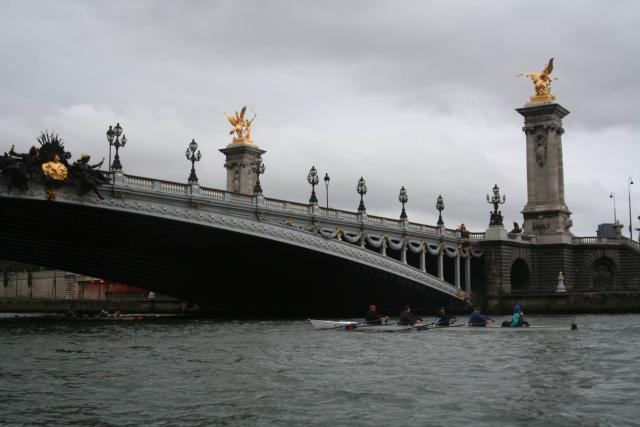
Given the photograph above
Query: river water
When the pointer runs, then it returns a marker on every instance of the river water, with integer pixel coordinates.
(206, 372)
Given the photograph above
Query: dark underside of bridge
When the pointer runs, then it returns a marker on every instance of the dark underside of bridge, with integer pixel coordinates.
(226, 273)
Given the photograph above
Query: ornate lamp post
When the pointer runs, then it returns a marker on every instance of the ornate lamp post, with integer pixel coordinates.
(258, 168)
(193, 157)
(440, 208)
(630, 217)
(362, 190)
(495, 200)
(113, 136)
(403, 198)
(326, 185)
(313, 179)
(615, 216)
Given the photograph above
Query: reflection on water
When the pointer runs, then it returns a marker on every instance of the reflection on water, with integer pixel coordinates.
(201, 372)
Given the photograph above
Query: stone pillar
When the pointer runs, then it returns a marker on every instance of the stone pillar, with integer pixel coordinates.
(240, 157)
(403, 253)
(423, 264)
(546, 214)
(440, 266)
(467, 274)
(457, 270)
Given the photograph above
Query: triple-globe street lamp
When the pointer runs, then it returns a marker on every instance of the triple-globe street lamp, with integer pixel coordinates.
(258, 168)
(361, 188)
(113, 136)
(440, 208)
(193, 157)
(403, 198)
(313, 179)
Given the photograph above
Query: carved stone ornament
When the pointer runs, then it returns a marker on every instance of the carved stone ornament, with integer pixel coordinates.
(541, 149)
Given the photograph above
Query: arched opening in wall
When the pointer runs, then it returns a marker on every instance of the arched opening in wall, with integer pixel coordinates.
(413, 259)
(431, 262)
(519, 276)
(602, 273)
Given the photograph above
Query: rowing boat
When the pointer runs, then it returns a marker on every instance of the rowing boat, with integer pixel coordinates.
(360, 327)
(330, 324)
(508, 329)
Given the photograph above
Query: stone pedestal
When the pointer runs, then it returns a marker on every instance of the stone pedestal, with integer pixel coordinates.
(561, 287)
(546, 214)
(241, 155)
(496, 232)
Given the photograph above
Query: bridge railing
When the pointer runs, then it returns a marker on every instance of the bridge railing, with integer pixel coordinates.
(161, 186)
(595, 240)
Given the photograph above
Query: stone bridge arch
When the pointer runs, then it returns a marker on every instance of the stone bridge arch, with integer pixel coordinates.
(520, 275)
(600, 270)
(199, 251)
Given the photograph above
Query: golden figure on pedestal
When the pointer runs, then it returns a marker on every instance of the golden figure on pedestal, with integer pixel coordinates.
(542, 83)
(241, 126)
(55, 169)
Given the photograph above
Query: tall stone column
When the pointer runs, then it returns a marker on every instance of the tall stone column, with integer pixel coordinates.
(546, 214)
(241, 155)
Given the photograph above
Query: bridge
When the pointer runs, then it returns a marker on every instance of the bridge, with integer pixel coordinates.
(228, 250)
(236, 251)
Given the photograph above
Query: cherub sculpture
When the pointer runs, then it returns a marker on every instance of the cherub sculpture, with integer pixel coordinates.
(542, 82)
(88, 176)
(241, 125)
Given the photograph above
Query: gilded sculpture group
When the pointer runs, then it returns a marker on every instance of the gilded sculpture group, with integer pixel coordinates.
(542, 83)
(49, 164)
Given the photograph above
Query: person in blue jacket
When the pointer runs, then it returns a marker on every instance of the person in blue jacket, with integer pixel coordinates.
(477, 318)
(518, 318)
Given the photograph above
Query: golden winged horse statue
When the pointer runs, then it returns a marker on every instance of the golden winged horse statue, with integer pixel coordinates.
(542, 83)
(241, 125)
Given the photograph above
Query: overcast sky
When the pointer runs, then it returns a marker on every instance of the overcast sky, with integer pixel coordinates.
(418, 94)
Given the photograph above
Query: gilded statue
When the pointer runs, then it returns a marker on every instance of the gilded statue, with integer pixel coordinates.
(241, 126)
(542, 83)
(55, 169)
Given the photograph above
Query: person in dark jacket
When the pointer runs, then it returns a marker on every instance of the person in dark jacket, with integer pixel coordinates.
(477, 318)
(444, 319)
(373, 317)
(408, 318)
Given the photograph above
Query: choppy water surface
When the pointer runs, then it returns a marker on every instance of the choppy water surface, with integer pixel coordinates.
(203, 372)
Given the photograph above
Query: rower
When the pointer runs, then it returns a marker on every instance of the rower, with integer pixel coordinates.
(518, 318)
(444, 319)
(477, 318)
(373, 317)
(408, 318)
